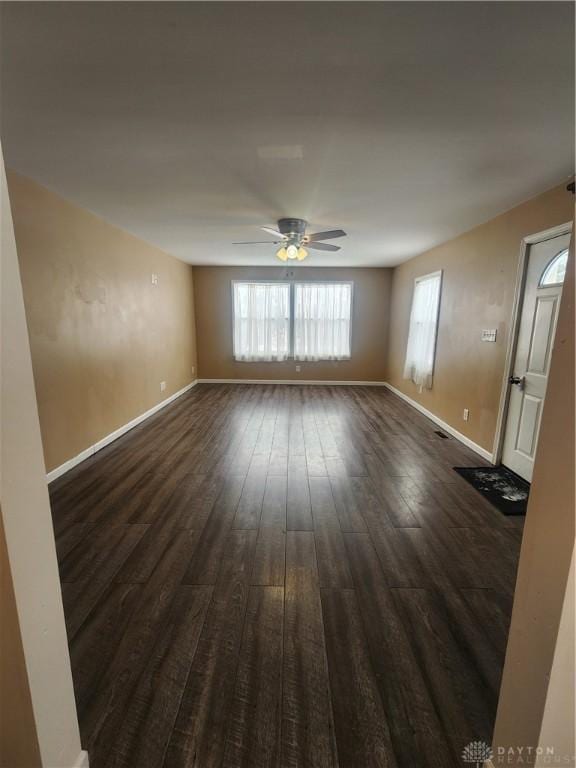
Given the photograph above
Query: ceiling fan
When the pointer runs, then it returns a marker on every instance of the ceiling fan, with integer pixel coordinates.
(293, 241)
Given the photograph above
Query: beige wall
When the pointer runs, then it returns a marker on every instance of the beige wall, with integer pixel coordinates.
(527, 696)
(102, 336)
(479, 274)
(31, 553)
(213, 301)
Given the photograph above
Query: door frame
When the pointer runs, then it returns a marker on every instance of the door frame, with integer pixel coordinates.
(511, 345)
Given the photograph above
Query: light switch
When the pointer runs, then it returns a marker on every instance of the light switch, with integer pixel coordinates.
(489, 334)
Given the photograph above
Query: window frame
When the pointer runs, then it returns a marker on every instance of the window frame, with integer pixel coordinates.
(419, 279)
(292, 282)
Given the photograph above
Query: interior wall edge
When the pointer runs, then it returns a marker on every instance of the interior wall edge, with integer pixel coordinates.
(19, 747)
(83, 760)
(559, 720)
(28, 528)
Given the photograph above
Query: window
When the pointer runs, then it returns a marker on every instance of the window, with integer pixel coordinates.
(555, 272)
(307, 321)
(322, 315)
(421, 348)
(261, 321)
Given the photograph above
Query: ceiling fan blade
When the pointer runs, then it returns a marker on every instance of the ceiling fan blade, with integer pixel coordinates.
(328, 235)
(258, 242)
(322, 246)
(272, 231)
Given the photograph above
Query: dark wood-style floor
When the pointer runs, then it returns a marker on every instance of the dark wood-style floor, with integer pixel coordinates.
(283, 576)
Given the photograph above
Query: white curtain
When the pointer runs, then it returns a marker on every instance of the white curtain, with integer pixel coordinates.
(322, 313)
(419, 365)
(261, 321)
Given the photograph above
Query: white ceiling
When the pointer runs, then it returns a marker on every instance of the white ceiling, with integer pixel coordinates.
(191, 124)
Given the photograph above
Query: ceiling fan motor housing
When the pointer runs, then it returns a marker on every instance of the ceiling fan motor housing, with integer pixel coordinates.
(293, 229)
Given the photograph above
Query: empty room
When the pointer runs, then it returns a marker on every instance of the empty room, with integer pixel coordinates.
(287, 384)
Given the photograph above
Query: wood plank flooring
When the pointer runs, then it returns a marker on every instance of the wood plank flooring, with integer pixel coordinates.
(283, 576)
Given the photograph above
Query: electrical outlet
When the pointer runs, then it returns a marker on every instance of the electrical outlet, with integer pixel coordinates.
(193, 370)
(489, 334)
(162, 386)
(154, 278)
(466, 414)
(298, 369)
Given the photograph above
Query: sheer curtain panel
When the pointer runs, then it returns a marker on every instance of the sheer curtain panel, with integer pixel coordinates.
(261, 321)
(421, 348)
(322, 316)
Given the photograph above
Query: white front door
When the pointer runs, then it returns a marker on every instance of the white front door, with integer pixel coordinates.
(539, 314)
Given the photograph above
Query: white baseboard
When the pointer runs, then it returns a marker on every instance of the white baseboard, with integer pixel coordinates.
(82, 760)
(92, 449)
(446, 427)
(313, 382)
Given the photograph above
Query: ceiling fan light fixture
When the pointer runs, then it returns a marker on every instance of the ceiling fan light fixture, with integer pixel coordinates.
(302, 253)
(282, 254)
(292, 251)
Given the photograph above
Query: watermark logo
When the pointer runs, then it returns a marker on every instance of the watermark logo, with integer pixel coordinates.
(477, 752)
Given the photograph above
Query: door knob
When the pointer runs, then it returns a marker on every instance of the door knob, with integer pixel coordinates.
(518, 380)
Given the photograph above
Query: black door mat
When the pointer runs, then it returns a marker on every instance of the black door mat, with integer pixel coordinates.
(504, 489)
